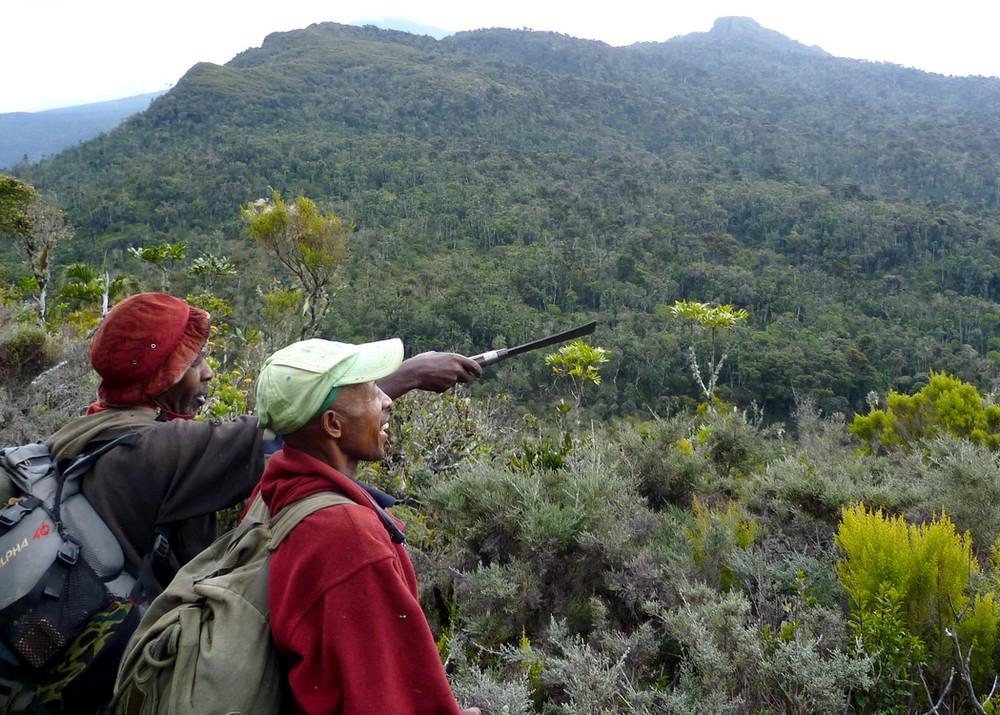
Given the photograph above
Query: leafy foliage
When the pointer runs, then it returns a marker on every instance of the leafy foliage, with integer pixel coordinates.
(309, 243)
(162, 257)
(670, 556)
(713, 319)
(580, 362)
(946, 405)
(909, 586)
(714, 535)
(15, 197)
(25, 351)
(563, 585)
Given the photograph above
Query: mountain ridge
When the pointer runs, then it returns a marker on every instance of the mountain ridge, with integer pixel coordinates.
(45, 133)
(505, 181)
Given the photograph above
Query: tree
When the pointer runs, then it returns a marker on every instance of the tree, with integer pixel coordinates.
(715, 319)
(308, 242)
(210, 268)
(163, 257)
(581, 363)
(86, 291)
(15, 197)
(48, 227)
(946, 405)
(35, 227)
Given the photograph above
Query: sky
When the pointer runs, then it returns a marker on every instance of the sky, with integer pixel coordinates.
(70, 52)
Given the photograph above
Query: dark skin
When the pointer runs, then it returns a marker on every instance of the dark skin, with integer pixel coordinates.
(431, 371)
(353, 430)
(187, 395)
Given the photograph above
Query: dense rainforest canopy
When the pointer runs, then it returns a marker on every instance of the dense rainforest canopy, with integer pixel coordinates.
(499, 183)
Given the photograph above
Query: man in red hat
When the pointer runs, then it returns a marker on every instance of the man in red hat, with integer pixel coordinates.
(149, 353)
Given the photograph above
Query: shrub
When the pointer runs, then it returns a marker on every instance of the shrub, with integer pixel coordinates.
(494, 693)
(962, 479)
(729, 664)
(667, 465)
(523, 546)
(433, 434)
(734, 445)
(56, 396)
(602, 679)
(907, 585)
(803, 493)
(946, 405)
(714, 536)
(25, 351)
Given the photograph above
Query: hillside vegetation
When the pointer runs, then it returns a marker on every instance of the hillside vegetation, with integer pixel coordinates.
(503, 182)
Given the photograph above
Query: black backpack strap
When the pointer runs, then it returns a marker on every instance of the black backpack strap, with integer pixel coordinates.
(160, 559)
(82, 464)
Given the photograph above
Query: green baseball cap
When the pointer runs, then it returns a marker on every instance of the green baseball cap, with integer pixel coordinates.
(300, 380)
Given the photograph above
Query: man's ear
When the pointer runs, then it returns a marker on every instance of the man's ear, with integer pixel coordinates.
(332, 423)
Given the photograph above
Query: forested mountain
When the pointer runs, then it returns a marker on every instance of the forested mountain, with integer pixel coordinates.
(503, 182)
(33, 135)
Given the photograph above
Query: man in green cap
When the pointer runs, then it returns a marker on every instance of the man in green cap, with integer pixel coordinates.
(344, 607)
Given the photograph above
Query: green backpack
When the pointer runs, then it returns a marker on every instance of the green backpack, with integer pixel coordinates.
(204, 646)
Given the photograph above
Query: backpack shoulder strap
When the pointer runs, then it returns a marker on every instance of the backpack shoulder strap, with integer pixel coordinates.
(289, 517)
(257, 510)
(81, 465)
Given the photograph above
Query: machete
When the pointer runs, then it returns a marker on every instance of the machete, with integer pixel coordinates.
(492, 357)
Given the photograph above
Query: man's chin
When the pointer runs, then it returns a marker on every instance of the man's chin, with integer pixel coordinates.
(193, 410)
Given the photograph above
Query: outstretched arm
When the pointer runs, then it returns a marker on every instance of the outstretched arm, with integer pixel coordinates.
(431, 371)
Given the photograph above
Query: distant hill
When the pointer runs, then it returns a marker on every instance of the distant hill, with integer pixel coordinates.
(504, 182)
(33, 135)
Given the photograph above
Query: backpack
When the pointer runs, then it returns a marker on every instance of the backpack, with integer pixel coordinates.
(204, 646)
(67, 604)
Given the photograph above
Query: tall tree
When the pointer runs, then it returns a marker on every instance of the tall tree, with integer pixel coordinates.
(713, 319)
(36, 228)
(308, 242)
(163, 257)
(15, 197)
(48, 227)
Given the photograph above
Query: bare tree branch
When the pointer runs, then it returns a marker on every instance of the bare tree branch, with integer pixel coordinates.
(965, 672)
(944, 693)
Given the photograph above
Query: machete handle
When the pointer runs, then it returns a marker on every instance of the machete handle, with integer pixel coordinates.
(490, 357)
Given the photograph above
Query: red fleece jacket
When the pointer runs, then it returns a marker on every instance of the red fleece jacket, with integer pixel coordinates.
(345, 613)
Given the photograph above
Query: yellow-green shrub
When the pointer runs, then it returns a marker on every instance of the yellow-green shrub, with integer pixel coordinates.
(714, 535)
(907, 584)
(945, 406)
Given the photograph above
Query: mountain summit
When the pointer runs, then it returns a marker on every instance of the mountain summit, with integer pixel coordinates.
(748, 29)
(747, 32)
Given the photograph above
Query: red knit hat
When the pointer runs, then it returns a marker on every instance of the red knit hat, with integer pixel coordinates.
(145, 345)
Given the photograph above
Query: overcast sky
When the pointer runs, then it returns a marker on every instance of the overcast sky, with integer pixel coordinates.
(66, 52)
